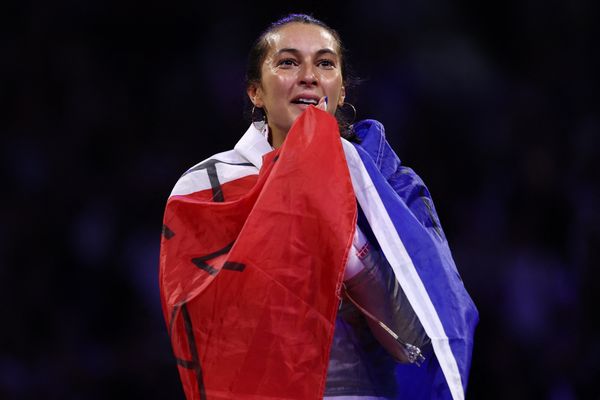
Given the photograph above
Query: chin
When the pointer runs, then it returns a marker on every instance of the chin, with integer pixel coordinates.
(294, 117)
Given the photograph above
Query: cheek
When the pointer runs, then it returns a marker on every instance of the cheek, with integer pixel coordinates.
(283, 84)
(334, 87)
(277, 89)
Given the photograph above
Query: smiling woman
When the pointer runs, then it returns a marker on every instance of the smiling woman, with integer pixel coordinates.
(300, 265)
(302, 67)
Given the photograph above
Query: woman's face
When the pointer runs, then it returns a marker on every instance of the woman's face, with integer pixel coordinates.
(302, 66)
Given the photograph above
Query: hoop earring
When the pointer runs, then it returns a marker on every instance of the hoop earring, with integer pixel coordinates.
(353, 111)
(259, 123)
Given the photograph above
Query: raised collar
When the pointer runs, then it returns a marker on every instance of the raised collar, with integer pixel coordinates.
(253, 145)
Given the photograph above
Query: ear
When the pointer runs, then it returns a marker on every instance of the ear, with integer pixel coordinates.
(342, 96)
(255, 94)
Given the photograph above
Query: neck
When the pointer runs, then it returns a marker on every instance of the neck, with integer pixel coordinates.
(276, 137)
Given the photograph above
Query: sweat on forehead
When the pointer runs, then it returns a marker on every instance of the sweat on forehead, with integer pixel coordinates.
(303, 31)
(260, 48)
(300, 41)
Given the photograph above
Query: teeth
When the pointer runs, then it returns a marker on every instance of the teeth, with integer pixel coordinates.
(307, 101)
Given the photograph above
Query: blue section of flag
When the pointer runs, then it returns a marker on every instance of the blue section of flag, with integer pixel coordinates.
(409, 206)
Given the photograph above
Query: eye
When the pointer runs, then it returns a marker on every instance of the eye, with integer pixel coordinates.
(287, 63)
(327, 64)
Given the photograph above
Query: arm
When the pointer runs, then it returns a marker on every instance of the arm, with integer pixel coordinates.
(371, 285)
(376, 288)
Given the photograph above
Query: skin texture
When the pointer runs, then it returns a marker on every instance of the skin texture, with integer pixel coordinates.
(303, 61)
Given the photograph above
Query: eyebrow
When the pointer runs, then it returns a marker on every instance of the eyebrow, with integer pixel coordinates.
(297, 52)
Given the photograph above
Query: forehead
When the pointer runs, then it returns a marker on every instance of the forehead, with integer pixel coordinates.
(304, 37)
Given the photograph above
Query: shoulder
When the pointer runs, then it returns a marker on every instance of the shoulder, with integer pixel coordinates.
(372, 139)
(406, 183)
(231, 157)
(215, 170)
(371, 133)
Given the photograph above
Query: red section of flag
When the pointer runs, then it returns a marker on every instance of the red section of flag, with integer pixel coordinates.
(250, 287)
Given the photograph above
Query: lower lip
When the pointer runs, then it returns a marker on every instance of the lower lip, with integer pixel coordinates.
(302, 106)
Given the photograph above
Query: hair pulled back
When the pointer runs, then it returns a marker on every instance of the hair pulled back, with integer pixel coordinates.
(260, 48)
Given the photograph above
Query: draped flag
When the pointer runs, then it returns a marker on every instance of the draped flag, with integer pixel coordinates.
(250, 286)
(251, 264)
(400, 214)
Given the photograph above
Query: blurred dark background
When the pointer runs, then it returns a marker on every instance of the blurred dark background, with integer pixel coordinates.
(105, 103)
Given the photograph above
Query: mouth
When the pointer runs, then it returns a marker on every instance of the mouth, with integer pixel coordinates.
(306, 101)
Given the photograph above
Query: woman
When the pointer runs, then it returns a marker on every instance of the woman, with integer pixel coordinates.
(261, 242)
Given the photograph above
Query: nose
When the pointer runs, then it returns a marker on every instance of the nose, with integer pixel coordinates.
(308, 75)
